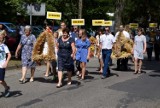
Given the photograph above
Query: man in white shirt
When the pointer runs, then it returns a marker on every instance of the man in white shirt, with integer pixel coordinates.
(106, 44)
(122, 64)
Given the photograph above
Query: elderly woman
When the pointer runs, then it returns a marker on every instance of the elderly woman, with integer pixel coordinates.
(26, 44)
(66, 54)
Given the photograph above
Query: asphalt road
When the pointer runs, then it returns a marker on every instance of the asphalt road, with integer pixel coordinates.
(122, 89)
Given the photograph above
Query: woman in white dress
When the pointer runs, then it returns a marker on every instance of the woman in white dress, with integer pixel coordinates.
(139, 49)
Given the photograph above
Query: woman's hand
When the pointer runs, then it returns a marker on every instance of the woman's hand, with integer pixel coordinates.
(88, 57)
(16, 55)
(73, 56)
(5, 65)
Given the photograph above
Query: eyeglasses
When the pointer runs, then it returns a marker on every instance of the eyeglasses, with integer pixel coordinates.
(62, 25)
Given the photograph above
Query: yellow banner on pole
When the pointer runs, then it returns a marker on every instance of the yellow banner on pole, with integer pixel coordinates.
(133, 25)
(78, 22)
(152, 25)
(97, 22)
(54, 15)
(107, 23)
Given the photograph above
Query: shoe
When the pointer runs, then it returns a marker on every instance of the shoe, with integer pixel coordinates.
(20, 80)
(46, 75)
(31, 80)
(23, 81)
(139, 72)
(103, 77)
(135, 72)
(69, 83)
(59, 85)
(7, 92)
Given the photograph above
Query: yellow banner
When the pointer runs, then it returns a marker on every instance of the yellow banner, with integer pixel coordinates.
(153, 24)
(107, 23)
(54, 15)
(78, 22)
(133, 25)
(97, 22)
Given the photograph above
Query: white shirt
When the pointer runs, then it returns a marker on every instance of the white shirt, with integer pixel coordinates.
(107, 41)
(125, 33)
(3, 51)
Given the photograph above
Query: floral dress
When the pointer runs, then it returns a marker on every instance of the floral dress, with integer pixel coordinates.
(27, 43)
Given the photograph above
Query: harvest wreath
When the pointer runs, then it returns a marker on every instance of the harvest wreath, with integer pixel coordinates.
(37, 54)
(122, 48)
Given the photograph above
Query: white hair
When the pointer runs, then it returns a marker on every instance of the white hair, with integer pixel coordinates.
(27, 27)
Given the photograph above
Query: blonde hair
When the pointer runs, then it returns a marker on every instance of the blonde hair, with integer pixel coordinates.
(3, 32)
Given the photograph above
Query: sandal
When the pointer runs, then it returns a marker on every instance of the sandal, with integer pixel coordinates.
(22, 81)
(46, 75)
(59, 85)
(69, 83)
(136, 72)
(31, 80)
(140, 71)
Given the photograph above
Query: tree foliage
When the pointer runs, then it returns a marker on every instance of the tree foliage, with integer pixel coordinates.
(126, 11)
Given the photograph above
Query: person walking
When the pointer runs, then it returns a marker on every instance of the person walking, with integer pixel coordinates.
(139, 49)
(66, 54)
(99, 52)
(157, 46)
(82, 52)
(106, 44)
(62, 27)
(122, 64)
(149, 46)
(27, 42)
(3, 63)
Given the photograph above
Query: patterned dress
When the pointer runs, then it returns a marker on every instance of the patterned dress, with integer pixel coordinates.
(65, 61)
(27, 43)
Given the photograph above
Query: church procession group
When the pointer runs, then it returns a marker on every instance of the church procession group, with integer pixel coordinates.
(69, 50)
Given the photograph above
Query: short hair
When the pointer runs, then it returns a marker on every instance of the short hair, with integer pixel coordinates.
(66, 30)
(101, 30)
(27, 27)
(141, 30)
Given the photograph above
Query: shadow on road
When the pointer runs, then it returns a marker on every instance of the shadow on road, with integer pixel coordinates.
(13, 94)
(44, 80)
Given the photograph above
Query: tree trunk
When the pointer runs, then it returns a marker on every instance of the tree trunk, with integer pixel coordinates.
(118, 13)
(80, 9)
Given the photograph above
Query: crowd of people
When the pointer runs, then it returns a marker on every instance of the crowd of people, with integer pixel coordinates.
(72, 49)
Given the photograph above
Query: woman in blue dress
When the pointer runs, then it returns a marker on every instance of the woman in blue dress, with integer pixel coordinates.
(66, 54)
(82, 51)
(27, 42)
